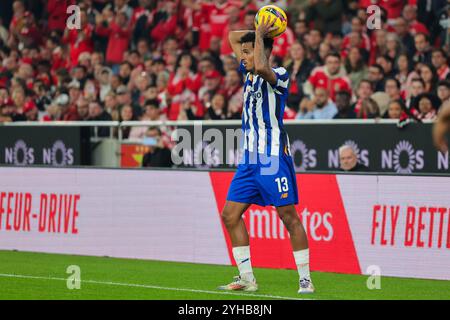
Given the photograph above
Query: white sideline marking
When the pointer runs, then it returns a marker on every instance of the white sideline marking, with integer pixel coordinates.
(21, 276)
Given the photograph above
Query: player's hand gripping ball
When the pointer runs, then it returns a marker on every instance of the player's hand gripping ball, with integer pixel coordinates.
(271, 12)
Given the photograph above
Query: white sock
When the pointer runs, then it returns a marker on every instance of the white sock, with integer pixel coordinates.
(242, 257)
(302, 261)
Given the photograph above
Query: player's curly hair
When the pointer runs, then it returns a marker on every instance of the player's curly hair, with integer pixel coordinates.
(251, 37)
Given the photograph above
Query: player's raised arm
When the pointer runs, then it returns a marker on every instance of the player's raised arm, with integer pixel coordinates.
(235, 37)
(261, 54)
(441, 127)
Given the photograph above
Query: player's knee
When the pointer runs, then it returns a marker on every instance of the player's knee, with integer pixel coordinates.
(290, 220)
(228, 218)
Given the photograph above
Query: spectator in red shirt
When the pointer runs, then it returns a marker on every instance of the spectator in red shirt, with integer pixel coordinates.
(165, 22)
(119, 34)
(67, 111)
(9, 111)
(392, 7)
(122, 6)
(282, 43)
(219, 14)
(358, 27)
(4, 94)
(414, 26)
(215, 16)
(332, 77)
(29, 35)
(18, 18)
(79, 40)
(57, 13)
(141, 17)
(170, 23)
(234, 23)
(212, 82)
(184, 77)
(30, 111)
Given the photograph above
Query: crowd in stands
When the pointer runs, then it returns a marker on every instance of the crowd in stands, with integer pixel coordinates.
(156, 60)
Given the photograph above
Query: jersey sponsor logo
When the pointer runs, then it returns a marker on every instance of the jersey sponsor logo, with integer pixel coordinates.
(256, 94)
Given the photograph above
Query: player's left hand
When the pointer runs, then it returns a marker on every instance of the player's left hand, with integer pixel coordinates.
(265, 27)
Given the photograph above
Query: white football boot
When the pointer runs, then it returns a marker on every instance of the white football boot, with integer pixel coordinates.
(240, 284)
(306, 286)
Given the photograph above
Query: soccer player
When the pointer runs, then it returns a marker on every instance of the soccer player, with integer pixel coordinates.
(266, 173)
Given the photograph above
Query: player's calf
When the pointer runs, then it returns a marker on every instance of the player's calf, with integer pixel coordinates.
(300, 248)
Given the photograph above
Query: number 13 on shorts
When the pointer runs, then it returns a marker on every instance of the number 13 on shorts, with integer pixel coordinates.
(282, 184)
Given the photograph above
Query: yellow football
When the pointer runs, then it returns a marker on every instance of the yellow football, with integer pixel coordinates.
(272, 11)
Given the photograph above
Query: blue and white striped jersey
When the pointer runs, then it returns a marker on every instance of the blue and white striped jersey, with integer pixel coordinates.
(262, 114)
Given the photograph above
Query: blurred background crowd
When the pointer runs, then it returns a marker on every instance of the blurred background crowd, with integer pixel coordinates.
(156, 60)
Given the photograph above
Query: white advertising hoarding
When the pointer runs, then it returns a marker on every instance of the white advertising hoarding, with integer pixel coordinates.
(400, 224)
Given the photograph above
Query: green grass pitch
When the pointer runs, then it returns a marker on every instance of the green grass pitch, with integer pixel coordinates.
(25, 275)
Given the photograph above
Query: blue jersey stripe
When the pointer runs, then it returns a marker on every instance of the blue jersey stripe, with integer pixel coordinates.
(266, 117)
(254, 116)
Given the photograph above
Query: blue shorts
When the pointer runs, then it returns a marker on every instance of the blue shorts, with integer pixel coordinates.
(258, 184)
